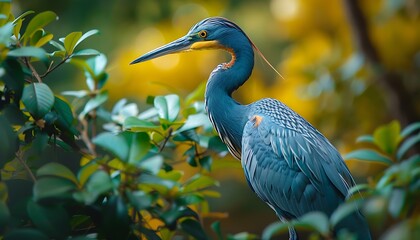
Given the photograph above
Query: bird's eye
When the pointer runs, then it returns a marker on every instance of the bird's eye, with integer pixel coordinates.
(202, 33)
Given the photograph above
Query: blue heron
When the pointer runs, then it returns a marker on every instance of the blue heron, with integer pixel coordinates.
(288, 163)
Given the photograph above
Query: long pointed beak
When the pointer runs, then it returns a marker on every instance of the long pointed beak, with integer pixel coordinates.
(179, 45)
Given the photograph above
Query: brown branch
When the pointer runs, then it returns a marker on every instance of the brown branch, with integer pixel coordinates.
(20, 159)
(52, 68)
(398, 98)
(85, 137)
(33, 70)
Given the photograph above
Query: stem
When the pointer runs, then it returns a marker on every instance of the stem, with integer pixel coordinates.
(20, 159)
(50, 68)
(85, 137)
(33, 70)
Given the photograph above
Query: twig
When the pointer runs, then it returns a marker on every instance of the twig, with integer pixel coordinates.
(20, 159)
(50, 68)
(85, 137)
(33, 70)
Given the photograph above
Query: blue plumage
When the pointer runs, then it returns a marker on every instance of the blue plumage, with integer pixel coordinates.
(288, 163)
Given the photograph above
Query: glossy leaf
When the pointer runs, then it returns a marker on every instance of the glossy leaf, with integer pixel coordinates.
(410, 129)
(51, 219)
(387, 137)
(115, 223)
(139, 199)
(21, 16)
(195, 121)
(70, 41)
(94, 103)
(47, 188)
(86, 52)
(78, 94)
(5, 34)
(314, 220)
(152, 164)
(86, 35)
(38, 99)
(4, 214)
(168, 106)
(56, 170)
(193, 228)
(100, 182)
(28, 52)
(8, 141)
(408, 144)
(39, 21)
(115, 144)
(344, 210)
(368, 155)
(365, 138)
(137, 125)
(199, 182)
(274, 229)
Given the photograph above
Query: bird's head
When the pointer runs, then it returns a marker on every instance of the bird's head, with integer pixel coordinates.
(210, 33)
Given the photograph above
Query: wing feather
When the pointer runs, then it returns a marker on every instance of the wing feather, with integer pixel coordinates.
(293, 172)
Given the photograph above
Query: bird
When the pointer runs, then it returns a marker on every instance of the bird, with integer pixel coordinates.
(287, 162)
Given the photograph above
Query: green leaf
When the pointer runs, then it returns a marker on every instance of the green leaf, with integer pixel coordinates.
(410, 129)
(43, 40)
(193, 228)
(127, 146)
(22, 16)
(407, 145)
(94, 103)
(6, 32)
(38, 22)
(65, 115)
(115, 222)
(56, 170)
(26, 233)
(139, 199)
(38, 99)
(397, 202)
(71, 40)
(14, 76)
(86, 52)
(86, 171)
(48, 188)
(206, 162)
(57, 45)
(86, 35)
(344, 210)
(99, 182)
(368, 155)
(195, 121)
(215, 226)
(115, 144)
(168, 106)
(152, 164)
(52, 219)
(134, 124)
(274, 229)
(365, 138)
(387, 137)
(314, 220)
(9, 142)
(29, 52)
(199, 182)
(78, 94)
(4, 214)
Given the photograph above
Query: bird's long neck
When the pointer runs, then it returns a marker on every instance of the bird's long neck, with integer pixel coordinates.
(227, 115)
